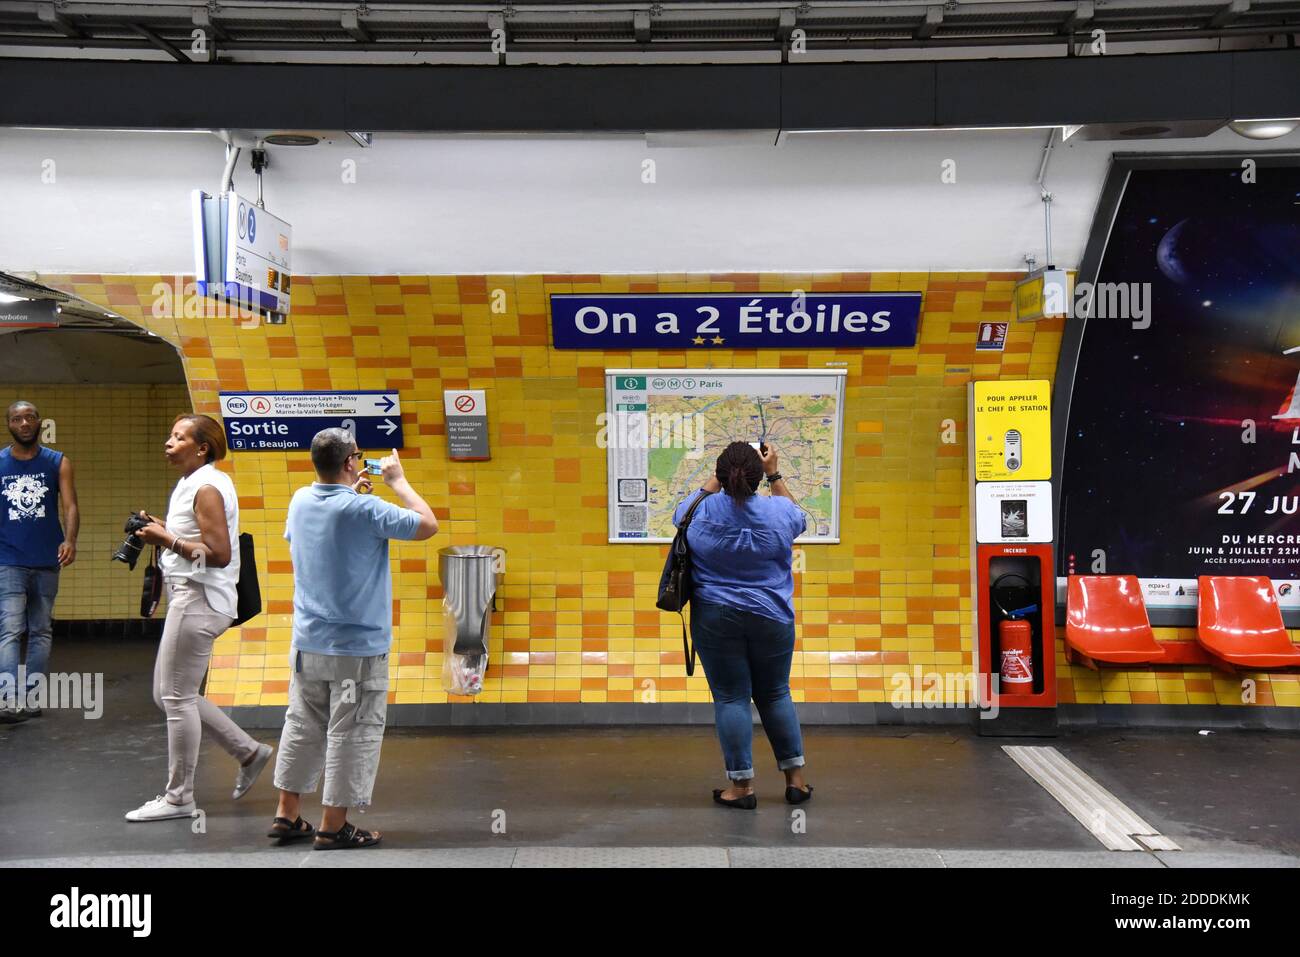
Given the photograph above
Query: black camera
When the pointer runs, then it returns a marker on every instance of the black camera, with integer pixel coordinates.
(131, 547)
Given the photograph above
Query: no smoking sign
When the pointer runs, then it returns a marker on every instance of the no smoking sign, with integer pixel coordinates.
(467, 425)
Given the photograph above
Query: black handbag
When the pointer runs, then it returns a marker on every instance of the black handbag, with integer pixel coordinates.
(248, 592)
(151, 594)
(675, 582)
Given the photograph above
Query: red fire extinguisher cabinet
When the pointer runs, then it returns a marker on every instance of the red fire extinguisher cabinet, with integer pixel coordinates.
(1033, 562)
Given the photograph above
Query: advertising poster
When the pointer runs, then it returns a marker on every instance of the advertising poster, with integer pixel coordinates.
(1182, 452)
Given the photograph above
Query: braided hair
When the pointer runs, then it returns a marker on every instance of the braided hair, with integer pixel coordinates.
(739, 470)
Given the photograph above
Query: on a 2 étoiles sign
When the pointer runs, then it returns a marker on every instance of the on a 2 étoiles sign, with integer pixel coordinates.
(862, 320)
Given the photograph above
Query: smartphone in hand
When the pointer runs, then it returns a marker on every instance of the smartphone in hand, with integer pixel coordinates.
(374, 467)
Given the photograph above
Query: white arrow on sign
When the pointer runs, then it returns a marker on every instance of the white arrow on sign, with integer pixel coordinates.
(389, 427)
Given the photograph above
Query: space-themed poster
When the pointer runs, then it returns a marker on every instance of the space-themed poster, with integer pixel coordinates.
(1182, 450)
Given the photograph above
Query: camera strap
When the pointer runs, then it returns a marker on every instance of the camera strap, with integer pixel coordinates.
(153, 586)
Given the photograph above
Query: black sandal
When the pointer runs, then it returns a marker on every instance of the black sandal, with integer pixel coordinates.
(286, 831)
(348, 837)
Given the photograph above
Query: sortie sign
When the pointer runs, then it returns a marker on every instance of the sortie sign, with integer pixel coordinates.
(274, 421)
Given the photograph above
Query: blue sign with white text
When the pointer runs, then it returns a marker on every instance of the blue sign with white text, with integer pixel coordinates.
(278, 421)
(864, 320)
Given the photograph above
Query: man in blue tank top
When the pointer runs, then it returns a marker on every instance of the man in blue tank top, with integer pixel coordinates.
(33, 547)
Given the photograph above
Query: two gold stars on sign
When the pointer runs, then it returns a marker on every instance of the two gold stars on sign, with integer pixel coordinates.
(700, 340)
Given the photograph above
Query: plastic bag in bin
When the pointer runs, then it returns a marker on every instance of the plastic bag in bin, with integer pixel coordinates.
(462, 673)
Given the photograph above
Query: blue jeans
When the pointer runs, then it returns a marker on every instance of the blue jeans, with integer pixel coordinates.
(26, 603)
(748, 656)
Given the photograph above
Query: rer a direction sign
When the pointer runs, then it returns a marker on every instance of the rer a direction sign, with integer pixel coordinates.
(279, 421)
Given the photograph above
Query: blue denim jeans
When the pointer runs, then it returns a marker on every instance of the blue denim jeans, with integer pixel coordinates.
(747, 656)
(26, 603)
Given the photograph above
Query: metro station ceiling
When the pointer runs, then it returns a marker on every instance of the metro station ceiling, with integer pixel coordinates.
(617, 25)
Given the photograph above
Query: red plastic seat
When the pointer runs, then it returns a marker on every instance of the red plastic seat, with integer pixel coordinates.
(1106, 620)
(1238, 621)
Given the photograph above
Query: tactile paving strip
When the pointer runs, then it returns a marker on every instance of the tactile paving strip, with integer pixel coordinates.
(621, 857)
(834, 857)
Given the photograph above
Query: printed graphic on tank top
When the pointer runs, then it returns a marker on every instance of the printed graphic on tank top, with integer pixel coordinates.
(26, 495)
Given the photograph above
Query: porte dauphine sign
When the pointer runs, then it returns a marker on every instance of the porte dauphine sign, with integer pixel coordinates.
(796, 320)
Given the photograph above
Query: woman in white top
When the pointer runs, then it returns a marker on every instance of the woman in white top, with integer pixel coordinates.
(200, 564)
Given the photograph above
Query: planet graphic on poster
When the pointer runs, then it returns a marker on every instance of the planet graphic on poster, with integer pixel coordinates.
(1167, 254)
(1227, 257)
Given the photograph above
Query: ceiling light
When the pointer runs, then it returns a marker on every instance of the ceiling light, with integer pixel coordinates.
(919, 129)
(291, 139)
(6, 297)
(1263, 129)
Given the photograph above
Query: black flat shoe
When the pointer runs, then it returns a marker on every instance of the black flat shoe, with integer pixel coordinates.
(796, 796)
(746, 803)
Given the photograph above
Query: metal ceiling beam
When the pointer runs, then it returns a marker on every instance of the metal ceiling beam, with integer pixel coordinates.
(50, 16)
(336, 51)
(1079, 17)
(352, 24)
(1229, 13)
(933, 17)
(497, 27)
(156, 41)
(704, 16)
(202, 18)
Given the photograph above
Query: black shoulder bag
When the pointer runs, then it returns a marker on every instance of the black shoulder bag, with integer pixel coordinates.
(151, 594)
(675, 582)
(247, 590)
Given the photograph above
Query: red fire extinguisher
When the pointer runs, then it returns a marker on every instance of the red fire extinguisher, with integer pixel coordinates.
(1015, 635)
(1015, 650)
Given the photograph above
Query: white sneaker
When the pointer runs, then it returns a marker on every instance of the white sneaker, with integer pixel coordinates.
(248, 775)
(160, 810)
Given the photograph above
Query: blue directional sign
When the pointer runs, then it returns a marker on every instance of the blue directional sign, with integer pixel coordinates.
(704, 321)
(276, 421)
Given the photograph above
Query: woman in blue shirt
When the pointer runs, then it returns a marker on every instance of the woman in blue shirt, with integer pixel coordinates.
(742, 614)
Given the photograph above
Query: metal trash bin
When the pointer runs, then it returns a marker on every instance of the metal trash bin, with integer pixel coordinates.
(471, 576)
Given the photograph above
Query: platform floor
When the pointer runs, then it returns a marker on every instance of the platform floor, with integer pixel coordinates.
(925, 797)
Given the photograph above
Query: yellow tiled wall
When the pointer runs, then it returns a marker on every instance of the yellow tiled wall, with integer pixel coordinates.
(113, 435)
(578, 620)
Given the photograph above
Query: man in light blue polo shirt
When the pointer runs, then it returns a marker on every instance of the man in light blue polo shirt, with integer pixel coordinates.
(342, 631)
